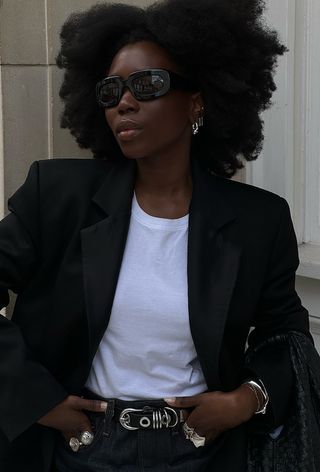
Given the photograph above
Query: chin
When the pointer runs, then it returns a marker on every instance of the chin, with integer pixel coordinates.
(132, 154)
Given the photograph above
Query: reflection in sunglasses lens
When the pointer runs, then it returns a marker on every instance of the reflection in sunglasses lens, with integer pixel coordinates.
(109, 92)
(148, 84)
(157, 83)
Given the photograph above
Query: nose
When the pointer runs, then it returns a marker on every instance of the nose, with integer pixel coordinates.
(128, 104)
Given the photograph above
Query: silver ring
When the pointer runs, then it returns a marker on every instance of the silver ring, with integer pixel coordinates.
(86, 438)
(188, 431)
(198, 441)
(74, 444)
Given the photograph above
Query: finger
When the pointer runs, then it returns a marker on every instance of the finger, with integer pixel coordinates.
(84, 424)
(94, 405)
(183, 402)
(192, 421)
(200, 430)
(89, 405)
(201, 424)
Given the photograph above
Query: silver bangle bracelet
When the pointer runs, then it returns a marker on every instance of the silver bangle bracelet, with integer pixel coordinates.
(254, 386)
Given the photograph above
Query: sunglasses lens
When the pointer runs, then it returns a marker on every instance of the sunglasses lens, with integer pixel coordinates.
(109, 93)
(148, 86)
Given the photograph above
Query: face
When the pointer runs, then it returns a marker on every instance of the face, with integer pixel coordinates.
(155, 127)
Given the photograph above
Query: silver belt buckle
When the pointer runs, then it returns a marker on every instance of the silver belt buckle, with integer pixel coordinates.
(160, 419)
(125, 418)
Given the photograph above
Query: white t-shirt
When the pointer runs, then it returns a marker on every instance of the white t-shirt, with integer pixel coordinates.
(147, 350)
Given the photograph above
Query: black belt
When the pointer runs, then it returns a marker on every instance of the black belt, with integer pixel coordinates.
(142, 414)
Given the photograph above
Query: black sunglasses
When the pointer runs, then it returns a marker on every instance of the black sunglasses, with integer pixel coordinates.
(144, 85)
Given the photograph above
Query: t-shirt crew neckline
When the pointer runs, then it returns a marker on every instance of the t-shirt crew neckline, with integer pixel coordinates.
(154, 221)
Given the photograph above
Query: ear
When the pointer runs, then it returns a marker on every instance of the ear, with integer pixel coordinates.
(196, 107)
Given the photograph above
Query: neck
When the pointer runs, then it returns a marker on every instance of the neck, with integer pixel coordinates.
(164, 185)
(163, 179)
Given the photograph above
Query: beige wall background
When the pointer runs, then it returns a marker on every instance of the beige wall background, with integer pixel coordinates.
(29, 42)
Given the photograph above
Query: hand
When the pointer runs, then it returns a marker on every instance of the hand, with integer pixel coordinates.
(68, 417)
(215, 412)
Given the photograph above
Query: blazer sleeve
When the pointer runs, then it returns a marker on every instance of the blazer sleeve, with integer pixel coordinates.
(279, 312)
(28, 390)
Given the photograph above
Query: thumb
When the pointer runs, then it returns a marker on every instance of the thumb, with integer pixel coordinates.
(90, 405)
(183, 402)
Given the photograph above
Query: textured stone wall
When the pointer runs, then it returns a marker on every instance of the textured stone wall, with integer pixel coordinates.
(30, 109)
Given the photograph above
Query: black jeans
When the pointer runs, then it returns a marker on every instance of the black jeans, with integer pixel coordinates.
(115, 448)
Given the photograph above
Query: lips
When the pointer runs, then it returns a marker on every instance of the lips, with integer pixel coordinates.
(127, 125)
(128, 130)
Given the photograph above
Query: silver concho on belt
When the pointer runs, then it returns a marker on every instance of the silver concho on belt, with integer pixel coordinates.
(160, 418)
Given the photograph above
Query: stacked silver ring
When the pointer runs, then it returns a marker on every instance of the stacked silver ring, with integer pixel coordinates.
(194, 437)
(86, 438)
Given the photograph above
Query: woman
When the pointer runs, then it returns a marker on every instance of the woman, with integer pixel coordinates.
(140, 273)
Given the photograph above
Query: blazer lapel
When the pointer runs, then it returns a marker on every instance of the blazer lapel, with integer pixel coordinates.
(213, 261)
(103, 245)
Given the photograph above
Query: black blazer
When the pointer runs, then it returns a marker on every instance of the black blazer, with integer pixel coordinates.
(61, 249)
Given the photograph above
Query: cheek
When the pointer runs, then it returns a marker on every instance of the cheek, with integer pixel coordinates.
(170, 119)
(165, 121)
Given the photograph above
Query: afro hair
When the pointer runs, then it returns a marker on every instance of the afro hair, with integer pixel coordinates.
(223, 45)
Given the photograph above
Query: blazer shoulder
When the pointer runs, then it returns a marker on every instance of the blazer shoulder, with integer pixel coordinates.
(69, 168)
(253, 206)
(56, 183)
(241, 193)
(244, 189)
(69, 176)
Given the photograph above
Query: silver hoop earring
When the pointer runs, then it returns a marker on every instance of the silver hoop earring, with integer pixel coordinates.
(195, 128)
